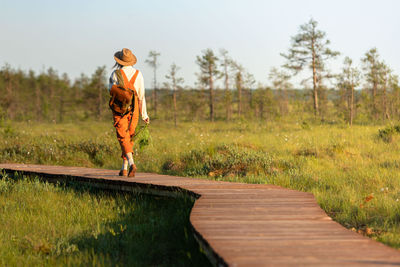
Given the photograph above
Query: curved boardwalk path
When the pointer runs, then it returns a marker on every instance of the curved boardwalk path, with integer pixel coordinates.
(245, 224)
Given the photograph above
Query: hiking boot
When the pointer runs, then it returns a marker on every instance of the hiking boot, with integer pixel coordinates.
(123, 173)
(132, 171)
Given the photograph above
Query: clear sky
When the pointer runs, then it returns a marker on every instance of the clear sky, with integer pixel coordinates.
(78, 36)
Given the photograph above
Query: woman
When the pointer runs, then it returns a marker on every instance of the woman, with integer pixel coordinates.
(126, 123)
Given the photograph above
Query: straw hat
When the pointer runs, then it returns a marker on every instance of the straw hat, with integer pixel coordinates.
(125, 57)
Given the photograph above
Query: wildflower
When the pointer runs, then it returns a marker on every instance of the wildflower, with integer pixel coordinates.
(369, 198)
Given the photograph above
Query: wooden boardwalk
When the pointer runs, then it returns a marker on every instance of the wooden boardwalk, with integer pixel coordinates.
(245, 224)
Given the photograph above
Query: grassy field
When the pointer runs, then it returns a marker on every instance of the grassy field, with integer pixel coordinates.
(43, 224)
(353, 172)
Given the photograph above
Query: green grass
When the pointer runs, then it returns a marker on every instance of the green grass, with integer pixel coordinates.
(353, 172)
(42, 224)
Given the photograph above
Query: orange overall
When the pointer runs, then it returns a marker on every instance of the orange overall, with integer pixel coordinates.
(125, 132)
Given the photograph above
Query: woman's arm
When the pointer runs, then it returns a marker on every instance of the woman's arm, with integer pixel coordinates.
(112, 81)
(139, 86)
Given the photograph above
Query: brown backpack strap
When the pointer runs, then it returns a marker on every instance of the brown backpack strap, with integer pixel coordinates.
(132, 86)
(131, 83)
(133, 80)
(125, 79)
(120, 78)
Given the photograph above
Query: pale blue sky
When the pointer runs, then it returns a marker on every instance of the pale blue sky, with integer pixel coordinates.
(77, 36)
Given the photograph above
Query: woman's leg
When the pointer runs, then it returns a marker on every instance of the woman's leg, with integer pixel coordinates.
(121, 125)
(130, 158)
(123, 136)
(124, 164)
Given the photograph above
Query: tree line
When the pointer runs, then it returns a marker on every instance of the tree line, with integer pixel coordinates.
(225, 89)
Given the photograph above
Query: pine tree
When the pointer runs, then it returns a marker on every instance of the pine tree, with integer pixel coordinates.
(372, 71)
(174, 83)
(348, 80)
(208, 73)
(387, 85)
(309, 48)
(249, 83)
(99, 84)
(227, 66)
(239, 86)
(152, 61)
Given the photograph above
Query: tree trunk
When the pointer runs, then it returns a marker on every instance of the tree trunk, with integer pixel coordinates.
(9, 107)
(37, 103)
(251, 99)
(352, 105)
(100, 102)
(285, 102)
(155, 101)
(61, 108)
(174, 98)
(239, 87)
(227, 98)
(261, 110)
(374, 98)
(211, 93)
(51, 104)
(315, 81)
(385, 106)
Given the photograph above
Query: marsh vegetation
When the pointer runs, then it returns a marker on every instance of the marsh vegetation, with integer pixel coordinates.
(352, 171)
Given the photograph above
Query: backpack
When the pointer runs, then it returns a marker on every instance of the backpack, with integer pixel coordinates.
(122, 99)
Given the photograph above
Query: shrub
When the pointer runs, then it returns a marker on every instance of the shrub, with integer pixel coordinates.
(387, 134)
(221, 161)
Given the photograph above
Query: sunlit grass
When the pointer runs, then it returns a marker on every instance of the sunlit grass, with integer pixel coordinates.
(341, 166)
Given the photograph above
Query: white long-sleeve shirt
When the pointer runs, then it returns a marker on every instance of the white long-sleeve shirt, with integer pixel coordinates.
(139, 86)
